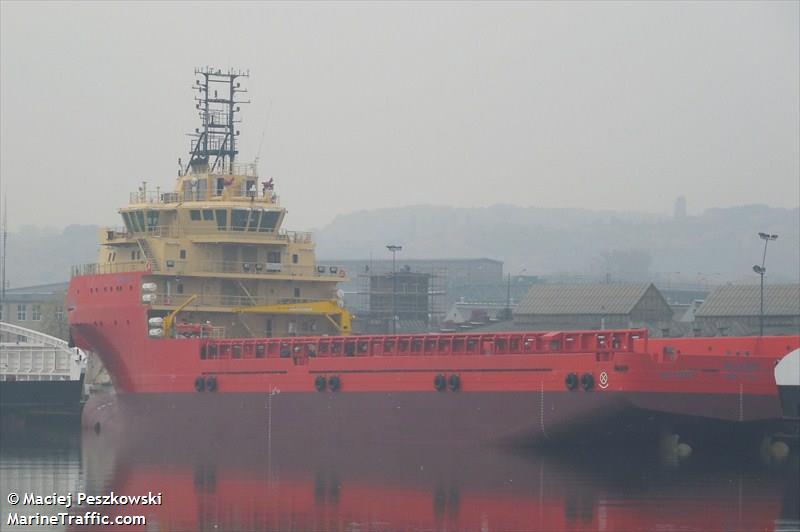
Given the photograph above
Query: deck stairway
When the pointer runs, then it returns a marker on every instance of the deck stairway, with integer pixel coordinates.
(144, 247)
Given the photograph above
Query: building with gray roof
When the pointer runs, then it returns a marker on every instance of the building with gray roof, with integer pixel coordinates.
(592, 306)
(735, 309)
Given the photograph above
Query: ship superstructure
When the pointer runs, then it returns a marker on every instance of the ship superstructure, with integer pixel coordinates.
(216, 243)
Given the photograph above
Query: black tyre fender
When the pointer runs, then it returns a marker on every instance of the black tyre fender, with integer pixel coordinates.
(211, 384)
(454, 383)
(571, 381)
(334, 383)
(587, 381)
(320, 383)
(200, 384)
(440, 382)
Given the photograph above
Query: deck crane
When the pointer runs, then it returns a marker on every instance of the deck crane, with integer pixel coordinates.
(330, 308)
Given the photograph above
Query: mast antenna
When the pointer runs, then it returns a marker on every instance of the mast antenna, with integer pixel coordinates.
(263, 132)
(213, 148)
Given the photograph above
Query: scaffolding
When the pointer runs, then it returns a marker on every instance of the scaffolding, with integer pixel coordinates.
(413, 297)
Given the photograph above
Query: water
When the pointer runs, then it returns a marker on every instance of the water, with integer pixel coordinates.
(262, 483)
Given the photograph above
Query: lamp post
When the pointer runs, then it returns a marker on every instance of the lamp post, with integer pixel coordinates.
(761, 270)
(394, 249)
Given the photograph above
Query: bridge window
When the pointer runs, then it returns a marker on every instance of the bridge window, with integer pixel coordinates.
(194, 215)
(269, 220)
(36, 312)
(238, 219)
(127, 220)
(22, 312)
(253, 224)
(208, 214)
(139, 219)
(152, 220)
(222, 219)
(296, 292)
(201, 189)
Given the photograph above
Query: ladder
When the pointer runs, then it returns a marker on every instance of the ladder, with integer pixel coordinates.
(144, 247)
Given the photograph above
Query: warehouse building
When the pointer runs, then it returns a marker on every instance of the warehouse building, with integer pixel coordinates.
(734, 310)
(593, 306)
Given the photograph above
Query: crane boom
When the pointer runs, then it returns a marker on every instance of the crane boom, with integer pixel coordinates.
(338, 316)
(169, 319)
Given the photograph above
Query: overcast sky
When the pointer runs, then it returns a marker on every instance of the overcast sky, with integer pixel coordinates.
(620, 106)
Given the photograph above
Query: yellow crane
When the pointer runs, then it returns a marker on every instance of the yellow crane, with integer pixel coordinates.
(338, 316)
(169, 319)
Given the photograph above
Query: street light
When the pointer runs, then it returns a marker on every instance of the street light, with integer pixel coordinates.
(394, 249)
(761, 270)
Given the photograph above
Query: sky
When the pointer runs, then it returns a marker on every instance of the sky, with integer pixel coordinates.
(367, 105)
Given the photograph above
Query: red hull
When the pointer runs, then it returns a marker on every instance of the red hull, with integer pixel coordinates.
(511, 385)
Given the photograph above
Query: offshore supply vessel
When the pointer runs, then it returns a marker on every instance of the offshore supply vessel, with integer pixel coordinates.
(203, 303)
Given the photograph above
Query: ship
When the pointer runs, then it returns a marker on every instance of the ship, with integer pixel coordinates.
(41, 379)
(204, 304)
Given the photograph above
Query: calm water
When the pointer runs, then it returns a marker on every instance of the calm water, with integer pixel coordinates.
(263, 484)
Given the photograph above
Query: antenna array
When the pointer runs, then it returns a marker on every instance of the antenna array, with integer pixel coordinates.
(213, 148)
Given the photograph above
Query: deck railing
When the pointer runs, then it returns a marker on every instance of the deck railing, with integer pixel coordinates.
(221, 300)
(603, 344)
(182, 267)
(270, 268)
(158, 197)
(112, 267)
(180, 231)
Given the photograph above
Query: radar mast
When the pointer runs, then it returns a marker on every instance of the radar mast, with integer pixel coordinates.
(213, 148)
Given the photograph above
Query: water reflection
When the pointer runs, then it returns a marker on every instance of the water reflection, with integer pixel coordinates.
(247, 481)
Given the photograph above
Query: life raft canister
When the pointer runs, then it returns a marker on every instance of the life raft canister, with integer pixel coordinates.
(211, 384)
(571, 381)
(439, 382)
(320, 383)
(587, 381)
(454, 383)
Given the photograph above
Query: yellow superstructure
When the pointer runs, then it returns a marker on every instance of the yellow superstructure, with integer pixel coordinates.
(218, 235)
